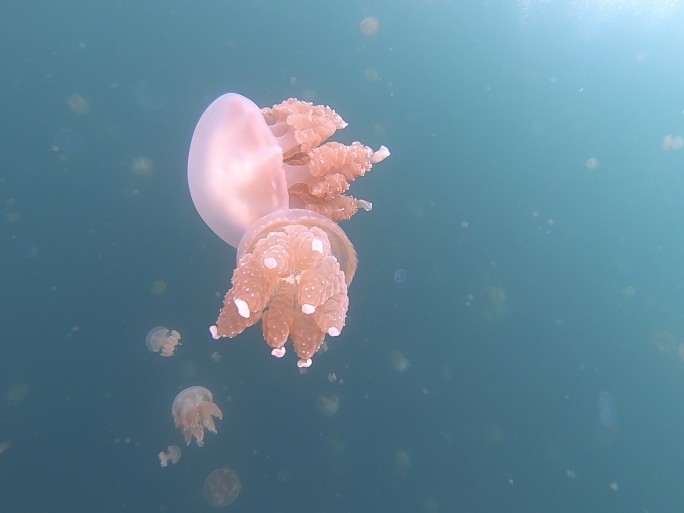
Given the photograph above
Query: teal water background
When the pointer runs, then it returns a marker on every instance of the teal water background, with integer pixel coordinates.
(528, 362)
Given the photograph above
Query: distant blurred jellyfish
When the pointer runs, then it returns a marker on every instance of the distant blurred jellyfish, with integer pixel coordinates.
(173, 456)
(369, 26)
(400, 276)
(158, 287)
(222, 487)
(591, 163)
(67, 140)
(607, 410)
(142, 166)
(78, 104)
(495, 299)
(400, 462)
(672, 142)
(398, 362)
(328, 404)
(16, 394)
(162, 340)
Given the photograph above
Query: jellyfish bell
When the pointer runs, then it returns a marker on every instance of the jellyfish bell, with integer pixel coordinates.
(232, 167)
(294, 267)
(193, 411)
(222, 487)
(162, 340)
(158, 287)
(340, 245)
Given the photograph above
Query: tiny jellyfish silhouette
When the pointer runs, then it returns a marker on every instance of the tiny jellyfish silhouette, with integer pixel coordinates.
(400, 462)
(67, 140)
(158, 287)
(663, 340)
(607, 410)
(369, 26)
(162, 340)
(628, 290)
(680, 351)
(222, 487)
(398, 362)
(142, 166)
(78, 104)
(193, 410)
(495, 299)
(16, 394)
(371, 74)
(400, 276)
(328, 404)
(671, 142)
(173, 456)
(591, 163)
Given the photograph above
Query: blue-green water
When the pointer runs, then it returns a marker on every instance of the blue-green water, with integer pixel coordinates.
(532, 198)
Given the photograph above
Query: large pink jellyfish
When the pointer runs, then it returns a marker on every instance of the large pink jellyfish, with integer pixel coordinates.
(263, 181)
(194, 410)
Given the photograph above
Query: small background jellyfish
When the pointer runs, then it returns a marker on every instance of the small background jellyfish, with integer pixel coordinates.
(162, 340)
(193, 410)
(369, 26)
(16, 394)
(172, 455)
(222, 487)
(607, 410)
(328, 404)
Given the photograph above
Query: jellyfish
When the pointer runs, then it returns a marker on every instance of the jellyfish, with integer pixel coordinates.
(16, 394)
(173, 455)
(328, 404)
(266, 182)
(607, 410)
(369, 26)
(398, 362)
(400, 462)
(222, 487)
(162, 340)
(193, 410)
